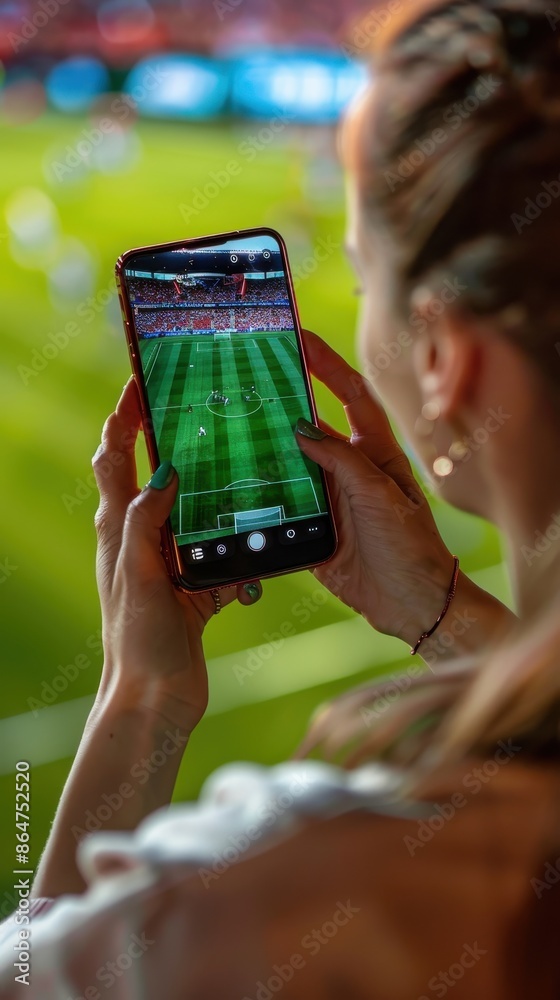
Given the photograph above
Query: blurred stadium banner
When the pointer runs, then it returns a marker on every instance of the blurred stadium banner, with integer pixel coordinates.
(306, 86)
(198, 60)
(303, 86)
(298, 85)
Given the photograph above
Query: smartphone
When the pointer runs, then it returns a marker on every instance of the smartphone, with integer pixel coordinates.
(215, 343)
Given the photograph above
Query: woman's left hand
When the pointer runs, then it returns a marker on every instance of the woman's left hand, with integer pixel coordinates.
(154, 687)
(151, 632)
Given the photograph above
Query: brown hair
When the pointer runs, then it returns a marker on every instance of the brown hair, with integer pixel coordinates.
(457, 154)
(466, 710)
(460, 132)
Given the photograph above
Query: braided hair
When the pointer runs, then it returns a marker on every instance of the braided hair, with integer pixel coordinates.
(459, 166)
(458, 170)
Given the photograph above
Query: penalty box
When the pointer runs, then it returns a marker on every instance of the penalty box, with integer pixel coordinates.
(220, 344)
(235, 506)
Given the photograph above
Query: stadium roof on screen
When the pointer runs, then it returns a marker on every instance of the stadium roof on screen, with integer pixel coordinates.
(207, 261)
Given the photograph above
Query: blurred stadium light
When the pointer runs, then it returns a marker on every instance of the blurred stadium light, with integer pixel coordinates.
(305, 86)
(197, 60)
(74, 84)
(176, 86)
(22, 95)
(34, 227)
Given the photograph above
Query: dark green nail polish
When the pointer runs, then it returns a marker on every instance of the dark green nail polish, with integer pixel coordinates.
(162, 476)
(252, 590)
(308, 430)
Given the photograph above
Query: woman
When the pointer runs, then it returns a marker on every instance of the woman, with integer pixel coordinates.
(361, 886)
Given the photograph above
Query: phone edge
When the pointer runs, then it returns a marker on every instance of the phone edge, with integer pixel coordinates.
(169, 542)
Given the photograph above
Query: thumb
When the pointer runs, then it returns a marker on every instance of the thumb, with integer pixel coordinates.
(346, 463)
(145, 517)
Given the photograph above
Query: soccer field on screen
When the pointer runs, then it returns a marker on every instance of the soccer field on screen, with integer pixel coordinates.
(239, 464)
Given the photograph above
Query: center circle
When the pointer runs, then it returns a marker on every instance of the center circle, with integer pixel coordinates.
(239, 406)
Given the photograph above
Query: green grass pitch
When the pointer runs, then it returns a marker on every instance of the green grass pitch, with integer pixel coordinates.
(51, 427)
(248, 460)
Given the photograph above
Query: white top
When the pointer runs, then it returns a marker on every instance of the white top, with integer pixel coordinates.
(244, 809)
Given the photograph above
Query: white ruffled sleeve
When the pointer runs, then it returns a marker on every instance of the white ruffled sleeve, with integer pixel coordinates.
(116, 936)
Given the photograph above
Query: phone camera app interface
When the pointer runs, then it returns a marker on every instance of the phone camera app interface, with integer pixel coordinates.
(225, 385)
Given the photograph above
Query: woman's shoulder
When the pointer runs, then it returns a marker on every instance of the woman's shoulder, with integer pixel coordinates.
(243, 808)
(272, 861)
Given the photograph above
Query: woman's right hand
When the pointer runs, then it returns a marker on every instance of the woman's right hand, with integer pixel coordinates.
(391, 564)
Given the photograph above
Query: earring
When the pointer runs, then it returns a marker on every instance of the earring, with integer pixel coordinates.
(443, 465)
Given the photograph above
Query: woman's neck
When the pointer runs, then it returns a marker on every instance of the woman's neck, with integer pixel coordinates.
(527, 509)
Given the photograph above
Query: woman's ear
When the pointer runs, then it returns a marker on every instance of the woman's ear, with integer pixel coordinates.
(445, 358)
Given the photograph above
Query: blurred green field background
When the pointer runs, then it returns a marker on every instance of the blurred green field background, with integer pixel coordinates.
(51, 428)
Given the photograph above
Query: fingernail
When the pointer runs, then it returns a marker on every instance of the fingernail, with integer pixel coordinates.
(162, 476)
(309, 430)
(252, 590)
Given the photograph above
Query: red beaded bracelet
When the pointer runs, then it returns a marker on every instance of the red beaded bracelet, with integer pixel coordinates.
(441, 616)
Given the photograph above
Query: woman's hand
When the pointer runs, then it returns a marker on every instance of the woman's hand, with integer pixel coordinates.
(391, 565)
(154, 687)
(151, 632)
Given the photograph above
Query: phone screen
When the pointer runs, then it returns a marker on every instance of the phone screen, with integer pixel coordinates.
(224, 380)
